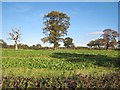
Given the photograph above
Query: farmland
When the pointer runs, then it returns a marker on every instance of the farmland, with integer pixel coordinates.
(59, 63)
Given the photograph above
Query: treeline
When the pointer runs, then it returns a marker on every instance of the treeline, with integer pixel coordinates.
(94, 44)
(3, 44)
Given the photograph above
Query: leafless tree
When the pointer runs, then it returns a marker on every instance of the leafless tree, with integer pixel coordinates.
(15, 36)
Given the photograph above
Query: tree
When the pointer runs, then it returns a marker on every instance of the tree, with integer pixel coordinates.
(99, 42)
(118, 44)
(91, 44)
(110, 38)
(96, 43)
(3, 43)
(23, 46)
(68, 42)
(38, 45)
(56, 25)
(15, 36)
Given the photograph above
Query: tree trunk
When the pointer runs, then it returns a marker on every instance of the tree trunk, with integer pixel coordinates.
(99, 46)
(16, 46)
(54, 47)
(107, 45)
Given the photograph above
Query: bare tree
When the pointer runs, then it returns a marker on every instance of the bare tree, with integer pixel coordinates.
(15, 36)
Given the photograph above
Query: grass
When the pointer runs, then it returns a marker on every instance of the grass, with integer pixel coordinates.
(61, 62)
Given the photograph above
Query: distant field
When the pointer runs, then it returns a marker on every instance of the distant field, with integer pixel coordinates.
(58, 63)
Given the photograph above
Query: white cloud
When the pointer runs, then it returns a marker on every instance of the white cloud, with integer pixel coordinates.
(96, 33)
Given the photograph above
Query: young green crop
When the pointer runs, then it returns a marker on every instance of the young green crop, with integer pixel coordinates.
(35, 62)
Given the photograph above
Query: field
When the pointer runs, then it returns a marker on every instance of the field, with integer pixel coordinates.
(61, 63)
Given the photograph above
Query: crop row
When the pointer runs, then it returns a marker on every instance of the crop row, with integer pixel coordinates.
(67, 63)
(42, 63)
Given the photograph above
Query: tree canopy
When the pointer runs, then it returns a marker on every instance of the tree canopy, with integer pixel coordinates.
(56, 25)
(108, 39)
(68, 42)
(98, 43)
(110, 36)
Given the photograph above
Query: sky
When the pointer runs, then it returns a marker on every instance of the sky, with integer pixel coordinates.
(87, 19)
(60, 0)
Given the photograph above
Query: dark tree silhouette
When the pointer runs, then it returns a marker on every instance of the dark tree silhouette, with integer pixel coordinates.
(56, 25)
(91, 44)
(68, 42)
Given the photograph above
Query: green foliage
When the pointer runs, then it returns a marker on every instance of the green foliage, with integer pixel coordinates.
(48, 68)
(91, 43)
(110, 36)
(68, 42)
(59, 59)
(56, 25)
(3, 43)
(108, 40)
(98, 43)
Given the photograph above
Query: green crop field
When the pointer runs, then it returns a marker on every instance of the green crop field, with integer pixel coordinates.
(58, 63)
